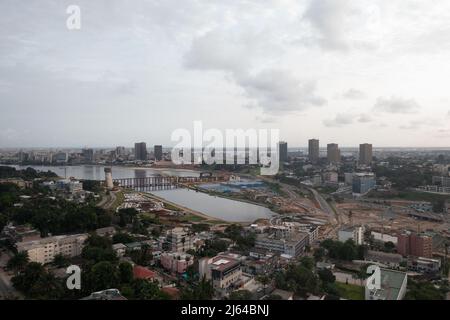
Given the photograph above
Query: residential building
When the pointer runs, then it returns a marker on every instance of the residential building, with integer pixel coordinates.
(120, 249)
(363, 182)
(333, 153)
(45, 250)
(354, 233)
(140, 151)
(313, 150)
(413, 244)
(108, 294)
(179, 240)
(176, 262)
(158, 152)
(365, 154)
(393, 286)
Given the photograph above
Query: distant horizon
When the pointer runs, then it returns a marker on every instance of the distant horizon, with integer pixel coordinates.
(345, 71)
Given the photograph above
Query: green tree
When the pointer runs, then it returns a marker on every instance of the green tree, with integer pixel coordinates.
(103, 275)
(18, 262)
(60, 261)
(125, 272)
(241, 295)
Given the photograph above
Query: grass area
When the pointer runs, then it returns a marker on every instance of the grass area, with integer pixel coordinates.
(168, 206)
(327, 189)
(192, 218)
(410, 195)
(350, 291)
(120, 198)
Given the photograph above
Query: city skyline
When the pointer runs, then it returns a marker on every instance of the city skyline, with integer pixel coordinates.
(313, 68)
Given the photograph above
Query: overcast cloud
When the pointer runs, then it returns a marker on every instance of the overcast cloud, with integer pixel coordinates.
(347, 71)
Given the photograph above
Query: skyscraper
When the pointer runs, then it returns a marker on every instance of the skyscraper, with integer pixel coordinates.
(313, 150)
(158, 152)
(365, 154)
(283, 151)
(140, 151)
(333, 153)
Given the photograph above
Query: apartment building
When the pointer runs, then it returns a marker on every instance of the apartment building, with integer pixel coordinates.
(417, 245)
(179, 240)
(176, 262)
(45, 250)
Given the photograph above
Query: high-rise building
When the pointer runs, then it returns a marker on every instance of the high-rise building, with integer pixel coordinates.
(333, 153)
(283, 151)
(418, 245)
(158, 152)
(365, 154)
(313, 150)
(140, 151)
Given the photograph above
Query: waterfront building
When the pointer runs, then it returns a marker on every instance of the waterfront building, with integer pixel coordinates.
(140, 151)
(158, 151)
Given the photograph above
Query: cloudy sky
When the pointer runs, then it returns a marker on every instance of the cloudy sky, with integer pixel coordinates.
(344, 71)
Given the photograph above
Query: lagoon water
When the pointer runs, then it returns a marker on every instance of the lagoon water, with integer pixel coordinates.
(96, 172)
(216, 207)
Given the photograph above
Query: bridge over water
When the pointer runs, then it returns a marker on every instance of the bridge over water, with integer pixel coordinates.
(162, 182)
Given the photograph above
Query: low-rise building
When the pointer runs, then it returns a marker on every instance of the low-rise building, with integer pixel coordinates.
(119, 249)
(45, 250)
(292, 245)
(224, 270)
(391, 260)
(354, 233)
(424, 265)
(392, 286)
(108, 294)
(176, 262)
